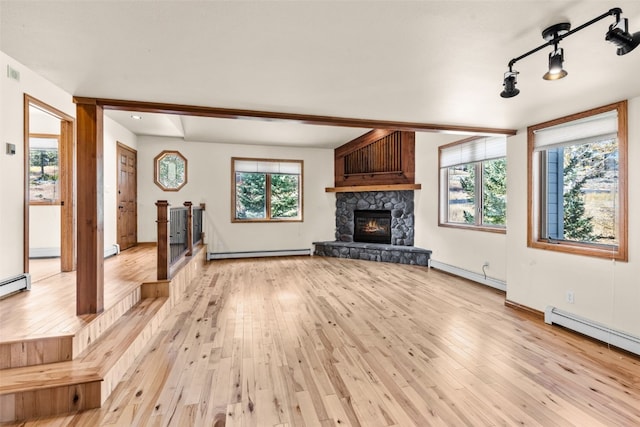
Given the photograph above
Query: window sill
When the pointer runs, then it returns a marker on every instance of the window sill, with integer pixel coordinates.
(497, 230)
(580, 249)
(251, 221)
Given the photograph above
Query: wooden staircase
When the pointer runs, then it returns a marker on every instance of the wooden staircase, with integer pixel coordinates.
(42, 376)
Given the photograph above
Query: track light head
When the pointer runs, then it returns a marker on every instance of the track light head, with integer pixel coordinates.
(619, 35)
(556, 59)
(510, 80)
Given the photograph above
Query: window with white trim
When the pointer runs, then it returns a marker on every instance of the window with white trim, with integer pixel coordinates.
(473, 183)
(578, 183)
(266, 190)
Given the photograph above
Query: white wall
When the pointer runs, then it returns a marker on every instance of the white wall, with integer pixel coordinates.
(44, 230)
(605, 291)
(113, 133)
(12, 166)
(208, 181)
(466, 249)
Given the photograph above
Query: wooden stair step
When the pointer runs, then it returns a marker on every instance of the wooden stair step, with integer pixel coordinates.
(86, 381)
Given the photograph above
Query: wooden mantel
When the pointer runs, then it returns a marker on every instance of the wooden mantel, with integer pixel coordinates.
(387, 187)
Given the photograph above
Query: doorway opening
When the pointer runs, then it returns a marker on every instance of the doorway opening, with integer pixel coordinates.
(49, 231)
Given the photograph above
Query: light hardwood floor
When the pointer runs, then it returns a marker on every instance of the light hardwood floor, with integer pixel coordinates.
(312, 341)
(49, 308)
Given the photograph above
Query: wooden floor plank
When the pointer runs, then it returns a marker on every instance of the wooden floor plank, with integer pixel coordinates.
(311, 341)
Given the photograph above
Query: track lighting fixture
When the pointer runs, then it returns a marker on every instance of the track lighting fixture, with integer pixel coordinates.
(618, 34)
(510, 80)
(556, 58)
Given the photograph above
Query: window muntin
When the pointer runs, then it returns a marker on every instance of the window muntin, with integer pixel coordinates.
(44, 169)
(266, 190)
(577, 184)
(473, 184)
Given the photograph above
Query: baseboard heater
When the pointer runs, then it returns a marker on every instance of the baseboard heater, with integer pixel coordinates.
(21, 282)
(112, 250)
(592, 329)
(257, 254)
(467, 274)
(55, 252)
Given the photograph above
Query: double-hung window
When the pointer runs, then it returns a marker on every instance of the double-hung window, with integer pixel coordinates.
(577, 183)
(266, 190)
(473, 184)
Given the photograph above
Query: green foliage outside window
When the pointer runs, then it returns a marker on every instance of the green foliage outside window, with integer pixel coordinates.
(255, 189)
(284, 196)
(494, 195)
(250, 195)
(493, 176)
(589, 195)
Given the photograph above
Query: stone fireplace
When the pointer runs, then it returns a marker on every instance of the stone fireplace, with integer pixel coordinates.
(369, 215)
(398, 203)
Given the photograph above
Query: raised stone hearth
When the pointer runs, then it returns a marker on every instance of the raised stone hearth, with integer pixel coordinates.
(374, 252)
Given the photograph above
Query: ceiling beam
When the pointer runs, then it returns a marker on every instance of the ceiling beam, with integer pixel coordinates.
(234, 113)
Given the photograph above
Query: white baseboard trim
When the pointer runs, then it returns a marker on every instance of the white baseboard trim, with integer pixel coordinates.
(257, 254)
(467, 274)
(592, 329)
(44, 252)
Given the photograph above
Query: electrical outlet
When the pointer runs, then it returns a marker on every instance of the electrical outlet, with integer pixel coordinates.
(570, 297)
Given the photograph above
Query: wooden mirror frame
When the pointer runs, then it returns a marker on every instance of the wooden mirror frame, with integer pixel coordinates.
(164, 161)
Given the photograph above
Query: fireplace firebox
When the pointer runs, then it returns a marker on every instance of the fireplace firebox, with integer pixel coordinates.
(372, 226)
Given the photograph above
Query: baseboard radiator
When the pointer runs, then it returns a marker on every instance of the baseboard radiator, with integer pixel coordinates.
(470, 275)
(257, 254)
(592, 329)
(112, 250)
(55, 252)
(21, 282)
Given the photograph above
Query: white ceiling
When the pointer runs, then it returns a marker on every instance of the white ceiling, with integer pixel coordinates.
(438, 62)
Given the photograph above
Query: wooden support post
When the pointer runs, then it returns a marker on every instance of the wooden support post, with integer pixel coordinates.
(90, 208)
(189, 207)
(163, 239)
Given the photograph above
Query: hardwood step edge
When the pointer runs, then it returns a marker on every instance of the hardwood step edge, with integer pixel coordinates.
(83, 369)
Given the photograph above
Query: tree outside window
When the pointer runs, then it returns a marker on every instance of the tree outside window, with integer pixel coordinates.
(44, 169)
(577, 201)
(474, 184)
(267, 190)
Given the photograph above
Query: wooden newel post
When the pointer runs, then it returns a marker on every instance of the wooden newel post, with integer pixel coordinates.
(189, 205)
(163, 239)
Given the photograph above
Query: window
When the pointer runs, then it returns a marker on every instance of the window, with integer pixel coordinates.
(577, 183)
(266, 190)
(44, 169)
(170, 170)
(473, 184)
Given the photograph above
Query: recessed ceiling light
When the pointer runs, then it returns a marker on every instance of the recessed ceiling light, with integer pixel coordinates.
(136, 117)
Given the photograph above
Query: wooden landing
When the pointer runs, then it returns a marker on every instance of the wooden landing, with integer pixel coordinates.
(76, 363)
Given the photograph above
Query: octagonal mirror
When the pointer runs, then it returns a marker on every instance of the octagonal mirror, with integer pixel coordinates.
(170, 170)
